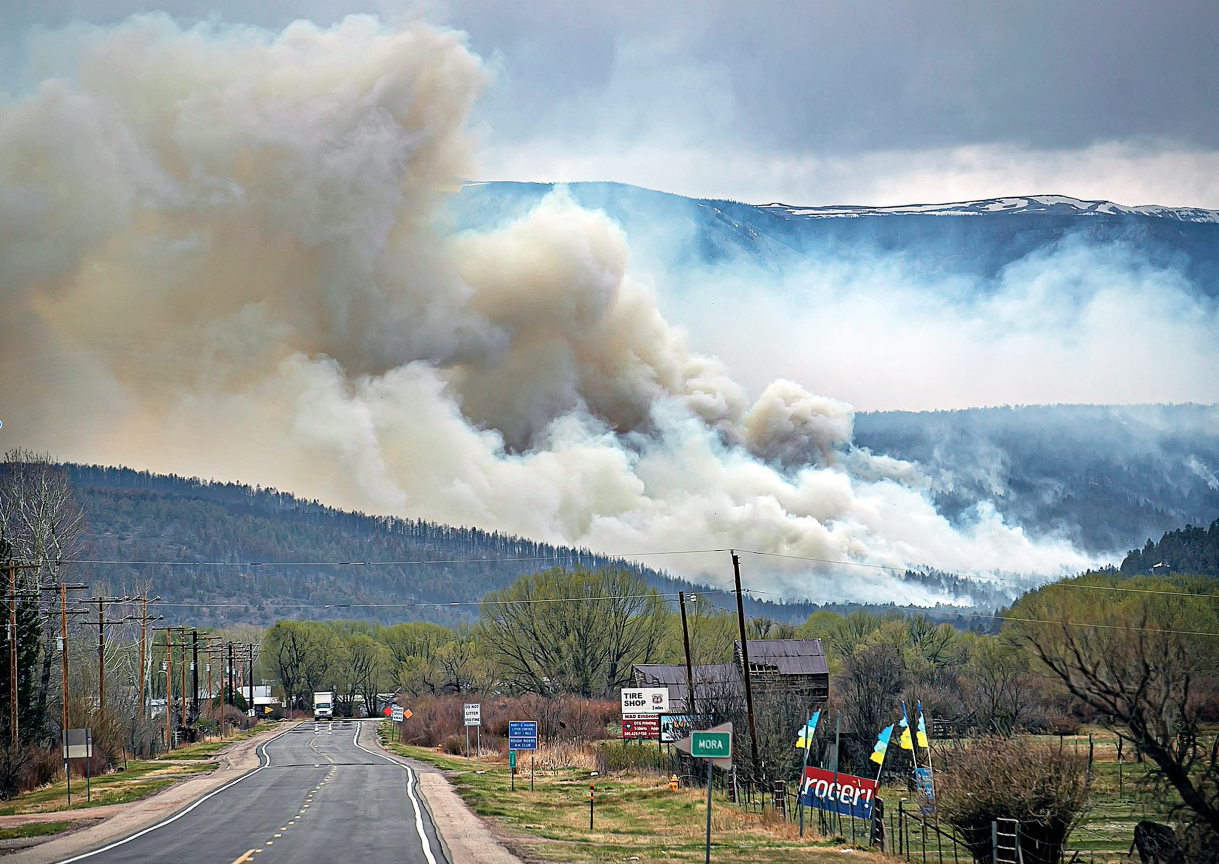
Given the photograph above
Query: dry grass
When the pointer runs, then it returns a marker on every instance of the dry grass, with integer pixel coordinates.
(637, 817)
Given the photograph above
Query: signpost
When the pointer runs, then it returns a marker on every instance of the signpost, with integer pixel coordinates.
(473, 713)
(714, 745)
(78, 744)
(397, 713)
(522, 735)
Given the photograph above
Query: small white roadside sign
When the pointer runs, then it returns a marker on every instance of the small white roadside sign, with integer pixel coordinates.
(474, 714)
(645, 700)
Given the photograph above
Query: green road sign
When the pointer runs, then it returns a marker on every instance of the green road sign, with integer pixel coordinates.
(711, 745)
(512, 759)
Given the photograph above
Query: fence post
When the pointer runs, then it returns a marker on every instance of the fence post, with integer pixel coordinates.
(994, 842)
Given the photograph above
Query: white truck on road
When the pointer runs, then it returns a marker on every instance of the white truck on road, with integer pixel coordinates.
(323, 705)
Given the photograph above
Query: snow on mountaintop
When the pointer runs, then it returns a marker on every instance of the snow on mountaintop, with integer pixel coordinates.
(1055, 205)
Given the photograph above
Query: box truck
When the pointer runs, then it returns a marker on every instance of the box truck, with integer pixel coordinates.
(323, 705)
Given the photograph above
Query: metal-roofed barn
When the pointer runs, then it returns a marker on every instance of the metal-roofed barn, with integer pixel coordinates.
(776, 665)
(788, 664)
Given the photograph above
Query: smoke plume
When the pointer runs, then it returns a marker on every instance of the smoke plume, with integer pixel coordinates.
(225, 253)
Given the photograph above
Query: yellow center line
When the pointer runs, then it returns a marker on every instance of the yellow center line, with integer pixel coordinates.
(244, 858)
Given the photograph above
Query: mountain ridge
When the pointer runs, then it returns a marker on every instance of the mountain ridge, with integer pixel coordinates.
(673, 232)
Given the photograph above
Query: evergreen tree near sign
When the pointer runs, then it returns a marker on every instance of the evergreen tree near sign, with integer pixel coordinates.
(31, 724)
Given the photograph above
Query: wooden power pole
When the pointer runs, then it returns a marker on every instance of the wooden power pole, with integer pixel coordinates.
(740, 613)
(685, 641)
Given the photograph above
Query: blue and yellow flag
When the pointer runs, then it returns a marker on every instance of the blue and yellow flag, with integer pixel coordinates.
(882, 744)
(922, 728)
(806, 734)
(907, 744)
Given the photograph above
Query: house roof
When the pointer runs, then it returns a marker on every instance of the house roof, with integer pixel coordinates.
(724, 676)
(788, 656)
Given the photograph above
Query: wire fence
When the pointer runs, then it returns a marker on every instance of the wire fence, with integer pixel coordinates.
(908, 832)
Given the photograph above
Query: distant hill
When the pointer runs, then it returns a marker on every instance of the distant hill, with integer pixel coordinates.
(1190, 550)
(272, 555)
(222, 553)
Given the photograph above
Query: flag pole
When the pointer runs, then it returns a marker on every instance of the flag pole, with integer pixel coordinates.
(930, 769)
(803, 770)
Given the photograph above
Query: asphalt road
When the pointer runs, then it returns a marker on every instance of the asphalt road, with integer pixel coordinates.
(318, 797)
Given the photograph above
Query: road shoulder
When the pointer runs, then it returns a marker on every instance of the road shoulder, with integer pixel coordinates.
(127, 819)
(466, 837)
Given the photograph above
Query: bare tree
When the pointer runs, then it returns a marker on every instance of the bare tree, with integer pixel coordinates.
(1142, 675)
(43, 522)
(998, 686)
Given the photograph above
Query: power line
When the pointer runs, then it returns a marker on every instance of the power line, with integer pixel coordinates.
(1091, 625)
(435, 604)
(897, 570)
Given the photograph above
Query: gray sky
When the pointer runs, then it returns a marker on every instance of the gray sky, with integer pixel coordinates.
(818, 102)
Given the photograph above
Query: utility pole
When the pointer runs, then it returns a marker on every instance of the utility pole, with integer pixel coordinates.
(63, 654)
(143, 647)
(740, 613)
(63, 642)
(101, 657)
(102, 603)
(144, 618)
(250, 703)
(228, 697)
(169, 685)
(194, 670)
(685, 640)
(182, 672)
(211, 694)
(12, 654)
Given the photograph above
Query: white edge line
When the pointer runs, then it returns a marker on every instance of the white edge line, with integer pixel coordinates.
(181, 813)
(410, 792)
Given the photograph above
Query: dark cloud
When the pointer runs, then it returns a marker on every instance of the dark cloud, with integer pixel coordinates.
(793, 98)
(874, 75)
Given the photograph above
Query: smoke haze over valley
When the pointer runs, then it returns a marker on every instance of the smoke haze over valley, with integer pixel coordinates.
(247, 255)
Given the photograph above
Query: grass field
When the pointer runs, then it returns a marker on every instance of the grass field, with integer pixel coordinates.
(34, 829)
(139, 779)
(637, 817)
(1120, 796)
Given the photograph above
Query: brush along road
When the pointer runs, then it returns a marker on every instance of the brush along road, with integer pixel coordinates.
(321, 793)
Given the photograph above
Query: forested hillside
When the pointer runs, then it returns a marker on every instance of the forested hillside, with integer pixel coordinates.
(1191, 550)
(277, 556)
(232, 553)
(1106, 477)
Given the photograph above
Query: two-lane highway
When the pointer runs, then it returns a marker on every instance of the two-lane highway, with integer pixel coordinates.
(320, 796)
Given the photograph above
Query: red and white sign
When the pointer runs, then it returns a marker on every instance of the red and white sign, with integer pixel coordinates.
(640, 726)
(841, 793)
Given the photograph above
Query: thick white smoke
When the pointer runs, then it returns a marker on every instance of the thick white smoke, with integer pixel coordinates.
(223, 253)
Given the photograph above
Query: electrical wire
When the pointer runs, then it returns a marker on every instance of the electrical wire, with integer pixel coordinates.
(976, 577)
